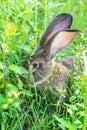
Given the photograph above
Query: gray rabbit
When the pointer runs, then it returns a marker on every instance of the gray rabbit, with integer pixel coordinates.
(57, 37)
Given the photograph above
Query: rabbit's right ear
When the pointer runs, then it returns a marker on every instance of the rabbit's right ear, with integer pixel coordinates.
(59, 23)
(59, 42)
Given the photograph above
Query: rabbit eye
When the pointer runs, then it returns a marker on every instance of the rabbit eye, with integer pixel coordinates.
(35, 65)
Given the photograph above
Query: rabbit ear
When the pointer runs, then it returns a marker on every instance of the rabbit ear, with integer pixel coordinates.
(59, 42)
(59, 23)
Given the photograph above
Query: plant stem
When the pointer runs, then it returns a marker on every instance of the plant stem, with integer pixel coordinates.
(36, 21)
(85, 106)
(85, 88)
(45, 19)
(4, 71)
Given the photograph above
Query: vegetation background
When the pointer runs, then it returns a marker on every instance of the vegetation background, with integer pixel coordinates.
(22, 23)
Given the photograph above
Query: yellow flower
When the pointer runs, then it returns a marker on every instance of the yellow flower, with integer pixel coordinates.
(15, 94)
(10, 29)
(5, 106)
(9, 100)
(19, 93)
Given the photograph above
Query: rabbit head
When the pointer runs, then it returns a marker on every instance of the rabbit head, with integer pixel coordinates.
(56, 38)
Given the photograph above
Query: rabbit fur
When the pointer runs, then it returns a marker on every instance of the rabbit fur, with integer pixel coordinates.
(57, 37)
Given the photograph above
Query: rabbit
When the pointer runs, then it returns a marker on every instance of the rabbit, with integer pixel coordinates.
(57, 37)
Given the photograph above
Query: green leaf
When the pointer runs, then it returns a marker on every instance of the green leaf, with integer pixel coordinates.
(74, 107)
(1, 75)
(1, 65)
(17, 69)
(28, 93)
(78, 124)
(23, 70)
(67, 124)
(11, 87)
(2, 99)
(25, 47)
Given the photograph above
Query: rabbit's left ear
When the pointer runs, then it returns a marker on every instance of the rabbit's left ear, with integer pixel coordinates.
(59, 42)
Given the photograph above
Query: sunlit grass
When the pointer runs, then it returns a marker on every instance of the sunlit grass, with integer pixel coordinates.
(22, 23)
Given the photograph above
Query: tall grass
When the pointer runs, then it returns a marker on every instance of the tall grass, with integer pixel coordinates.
(85, 88)
(22, 23)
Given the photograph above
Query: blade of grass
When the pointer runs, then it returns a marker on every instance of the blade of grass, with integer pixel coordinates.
(36, 10)
(45, 15)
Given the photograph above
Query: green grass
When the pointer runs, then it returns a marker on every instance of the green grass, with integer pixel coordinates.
(22, 23)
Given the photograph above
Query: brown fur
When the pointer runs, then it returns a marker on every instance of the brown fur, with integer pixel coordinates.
(54, 73)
